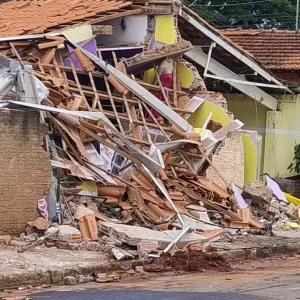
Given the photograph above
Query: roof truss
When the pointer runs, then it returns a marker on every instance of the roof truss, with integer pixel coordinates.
(218, 69)
(229, 47)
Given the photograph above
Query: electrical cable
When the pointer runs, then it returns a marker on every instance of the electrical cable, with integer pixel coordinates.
(207, 223)
(232, 4)
(212, 224)
(212, 211)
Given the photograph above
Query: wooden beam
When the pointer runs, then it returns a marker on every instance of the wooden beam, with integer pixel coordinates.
(116, 15)
(131, 113)
(140, 92)
(100, 75)
(113, 105)
(102, 29)
(77, 81)
(175, 84)
(254, 92)
(98, 129)
(15, 52)
(159, 10)
(49, 44)
(111, 146)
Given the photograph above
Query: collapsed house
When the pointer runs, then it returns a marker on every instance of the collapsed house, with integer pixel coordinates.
(137, 142)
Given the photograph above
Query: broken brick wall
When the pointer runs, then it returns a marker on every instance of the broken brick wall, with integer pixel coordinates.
(25, 170)
(229, 160)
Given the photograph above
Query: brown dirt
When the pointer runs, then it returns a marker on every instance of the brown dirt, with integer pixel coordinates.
(190, 261)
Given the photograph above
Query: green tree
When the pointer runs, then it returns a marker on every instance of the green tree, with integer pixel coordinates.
(247, 13)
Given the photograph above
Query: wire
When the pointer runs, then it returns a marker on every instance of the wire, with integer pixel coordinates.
(232, 4)
(201, 210)
(207, 223)
(256, 27)
(212, 224)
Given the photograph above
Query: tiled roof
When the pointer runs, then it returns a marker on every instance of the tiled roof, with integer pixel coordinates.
(275, 49)
(19, 17)
(216, 31)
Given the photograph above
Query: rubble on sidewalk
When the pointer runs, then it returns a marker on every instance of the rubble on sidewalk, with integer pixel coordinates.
(131, 172)
(136, 189)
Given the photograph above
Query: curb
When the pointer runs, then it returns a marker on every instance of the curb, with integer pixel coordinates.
(247, 253)
(56, 276)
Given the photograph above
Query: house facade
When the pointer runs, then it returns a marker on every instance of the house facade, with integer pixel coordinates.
(278, 51)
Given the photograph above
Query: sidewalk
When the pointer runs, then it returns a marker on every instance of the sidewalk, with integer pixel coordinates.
(46, 266)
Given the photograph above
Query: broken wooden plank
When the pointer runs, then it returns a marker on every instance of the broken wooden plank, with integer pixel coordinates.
(46, 45)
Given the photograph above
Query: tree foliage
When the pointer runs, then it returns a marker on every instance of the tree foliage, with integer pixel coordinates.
(265, 14)
(295, 164)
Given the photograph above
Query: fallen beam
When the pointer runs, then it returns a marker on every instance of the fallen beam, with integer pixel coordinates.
(255, 93)
(140, 92)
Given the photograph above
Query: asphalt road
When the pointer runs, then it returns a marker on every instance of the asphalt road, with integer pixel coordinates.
(276, 279)
(140, 295)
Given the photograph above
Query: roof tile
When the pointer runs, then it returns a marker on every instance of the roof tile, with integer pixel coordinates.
(275, 49)
(36, 16)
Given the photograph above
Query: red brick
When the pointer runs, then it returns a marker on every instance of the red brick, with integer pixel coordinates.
(24, 167)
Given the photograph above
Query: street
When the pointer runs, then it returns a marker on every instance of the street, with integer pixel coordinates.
(275, 278)
(145, 295)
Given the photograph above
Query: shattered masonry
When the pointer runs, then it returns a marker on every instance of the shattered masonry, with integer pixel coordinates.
(144, 156)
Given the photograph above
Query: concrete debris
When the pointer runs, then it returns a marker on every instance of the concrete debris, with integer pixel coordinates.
(108, 277)
(40, 224)
(70, 280)
(157, 54)
(5, 239)
(121, 254)
(133, 235)
(258, 191)
(147, 247)
(65, 233)
(90, 246)
(131, 175)
(82, 211)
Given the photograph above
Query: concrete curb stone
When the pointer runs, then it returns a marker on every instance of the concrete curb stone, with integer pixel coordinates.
(24, 279)
(56, 276)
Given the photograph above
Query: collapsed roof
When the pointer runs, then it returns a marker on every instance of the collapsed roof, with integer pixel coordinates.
(98, 94)
(226, 64)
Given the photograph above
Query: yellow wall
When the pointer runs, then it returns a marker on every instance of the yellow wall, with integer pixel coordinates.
(185, 75)
(280, 130)
(165, 31)
(244, 109)
(250, 159)
(283, 139)
(79, 33)
(198, 118)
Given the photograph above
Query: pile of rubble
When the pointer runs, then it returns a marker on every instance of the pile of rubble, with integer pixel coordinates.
(129, 169)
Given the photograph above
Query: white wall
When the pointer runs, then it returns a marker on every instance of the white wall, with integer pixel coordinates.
(135, 32)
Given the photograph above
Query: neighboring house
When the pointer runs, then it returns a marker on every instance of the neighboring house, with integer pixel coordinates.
(234, 71)
(279, 52)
